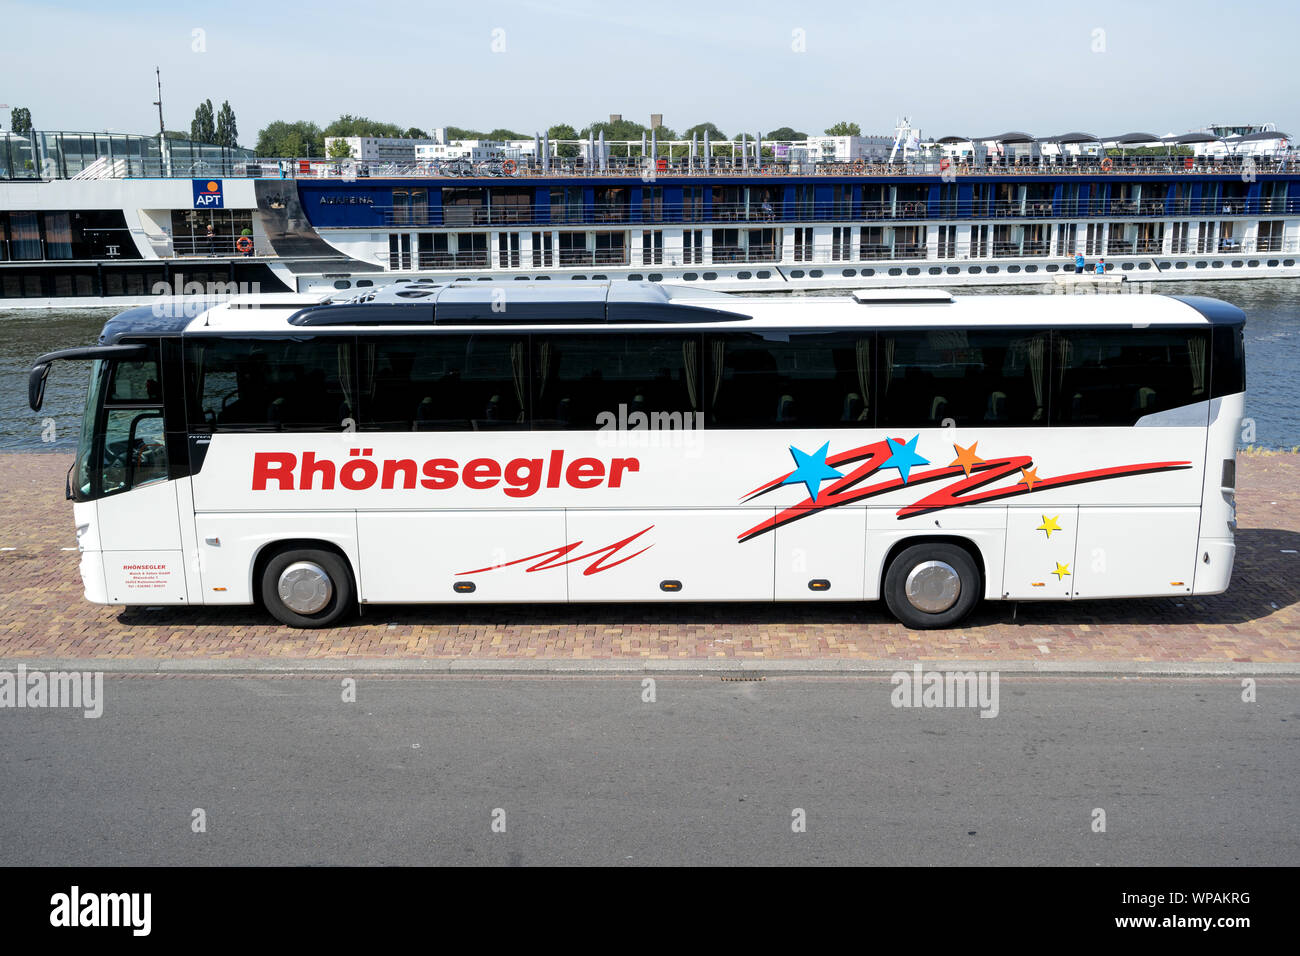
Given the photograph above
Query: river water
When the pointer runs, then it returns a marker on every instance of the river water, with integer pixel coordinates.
(1272, 307)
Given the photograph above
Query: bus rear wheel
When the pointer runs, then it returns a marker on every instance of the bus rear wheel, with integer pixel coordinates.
(932, 585)
(304, 587)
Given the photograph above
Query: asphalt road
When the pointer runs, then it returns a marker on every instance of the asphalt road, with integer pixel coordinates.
(711, 772)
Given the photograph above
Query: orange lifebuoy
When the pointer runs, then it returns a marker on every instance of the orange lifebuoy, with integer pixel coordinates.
(1107, 165)
(244, 244)
(944, 164)
(509, 167)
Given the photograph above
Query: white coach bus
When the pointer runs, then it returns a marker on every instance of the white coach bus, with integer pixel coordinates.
(626, 442)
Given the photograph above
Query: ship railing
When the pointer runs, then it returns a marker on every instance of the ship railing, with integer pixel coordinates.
(20, 162)
(218, 246)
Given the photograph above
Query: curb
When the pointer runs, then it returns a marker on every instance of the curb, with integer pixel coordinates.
(553, 665)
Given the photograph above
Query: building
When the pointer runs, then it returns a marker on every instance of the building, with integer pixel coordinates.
(377, 149)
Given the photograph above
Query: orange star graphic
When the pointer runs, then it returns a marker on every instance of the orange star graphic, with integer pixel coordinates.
(966, 457)
(1030, 476)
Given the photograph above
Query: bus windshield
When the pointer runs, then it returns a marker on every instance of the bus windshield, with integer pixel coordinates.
(122, 443)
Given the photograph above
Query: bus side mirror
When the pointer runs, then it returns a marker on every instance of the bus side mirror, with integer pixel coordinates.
(36, 386)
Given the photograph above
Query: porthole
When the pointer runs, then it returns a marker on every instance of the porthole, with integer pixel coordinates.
(600, 278)
(521, 278)
(1144, 265)
(484, 279)
(364, 283)
(1216, 264)
(710, 276)
(1288, 262)
(914, 271)
(342, 284)
(636, 277)
(1127, 267)
(1253, 263)
(1236, 263)
(464, 279)
(1031, 268)
(796, 273)
(1180, 265)
(993, 269)
(691, 276)
(1164, 265)
(974, 270)
(815, 274)
(744, 275)
(868, 272)
(1272, 263)
(1202, 265)
(848, 273)
(656, 277)
(577, 278)
(1053, 268)
(953, 270)
(895, 272)
(764, 274)
(1013, 268)
(935, 271)
(543, 278)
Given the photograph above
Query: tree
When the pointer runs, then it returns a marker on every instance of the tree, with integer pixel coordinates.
(302, 138)
(349, 125)
(21, 120)
(785, 133)
(845, 129)
(501, 135)
(227, 129)
(715, 134)
(339, 149)
(203, 128)
(564, 131)
(416, 133)
(457, 132)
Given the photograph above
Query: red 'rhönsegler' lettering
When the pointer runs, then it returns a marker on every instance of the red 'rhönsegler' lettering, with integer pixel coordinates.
(519, 477)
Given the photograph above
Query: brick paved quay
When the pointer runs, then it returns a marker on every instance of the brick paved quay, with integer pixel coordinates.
(42, 613)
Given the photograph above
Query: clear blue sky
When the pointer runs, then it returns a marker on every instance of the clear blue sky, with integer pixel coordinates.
(968, 68)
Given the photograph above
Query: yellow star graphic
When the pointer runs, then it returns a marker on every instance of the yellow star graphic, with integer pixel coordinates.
(966, 457)
(1062, 571)
(1030, 476)
(1049, 525)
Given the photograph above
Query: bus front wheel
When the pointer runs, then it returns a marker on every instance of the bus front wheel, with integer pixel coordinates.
(307, 588)
(932, 585)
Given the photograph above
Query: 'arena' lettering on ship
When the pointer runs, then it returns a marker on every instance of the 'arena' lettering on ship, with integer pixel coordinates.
(522, 477)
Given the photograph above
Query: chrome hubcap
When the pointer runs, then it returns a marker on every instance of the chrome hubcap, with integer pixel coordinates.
(933, 587)
(304, 587)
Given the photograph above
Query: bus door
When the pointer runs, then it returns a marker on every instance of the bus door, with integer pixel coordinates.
(1040, 562)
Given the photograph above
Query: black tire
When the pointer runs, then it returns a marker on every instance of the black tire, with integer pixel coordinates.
(340, 600)
(970, 585)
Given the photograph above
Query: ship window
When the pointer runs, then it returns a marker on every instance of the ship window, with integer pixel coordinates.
(710, 276)
(342, 284)
(796, 273)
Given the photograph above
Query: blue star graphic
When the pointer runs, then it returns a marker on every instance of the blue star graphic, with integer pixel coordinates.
(811, 470)
(904, 456)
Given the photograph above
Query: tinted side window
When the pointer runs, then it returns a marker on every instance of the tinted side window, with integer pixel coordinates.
(579, 380)
(1229, 363)
(1116, 376)
(968, 377)
(271, 384)
(789, 380)
(443, 382)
